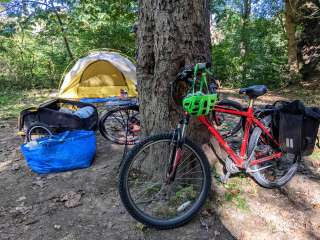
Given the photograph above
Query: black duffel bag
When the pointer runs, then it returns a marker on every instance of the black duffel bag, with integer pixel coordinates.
(296, 127)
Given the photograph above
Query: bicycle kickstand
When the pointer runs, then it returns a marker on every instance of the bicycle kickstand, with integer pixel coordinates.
(225, 177)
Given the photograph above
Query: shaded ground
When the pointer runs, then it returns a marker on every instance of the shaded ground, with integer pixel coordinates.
(292, 212)
(84, 204)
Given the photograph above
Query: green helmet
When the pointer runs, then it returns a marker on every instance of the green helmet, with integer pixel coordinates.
(198, 104)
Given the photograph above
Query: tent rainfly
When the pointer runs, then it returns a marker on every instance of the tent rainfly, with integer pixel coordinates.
(99, 75)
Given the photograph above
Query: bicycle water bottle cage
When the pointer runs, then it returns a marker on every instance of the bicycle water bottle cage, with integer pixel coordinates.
(198, 103)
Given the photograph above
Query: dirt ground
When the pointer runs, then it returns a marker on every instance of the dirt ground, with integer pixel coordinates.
(249, 211)
(84, 204)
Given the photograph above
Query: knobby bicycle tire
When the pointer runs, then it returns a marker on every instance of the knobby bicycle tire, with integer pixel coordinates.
(141, 216)
(32, 129)
(257, 175)
(108, 114)
(231, 104)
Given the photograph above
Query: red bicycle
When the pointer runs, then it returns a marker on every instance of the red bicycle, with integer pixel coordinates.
(165, 179)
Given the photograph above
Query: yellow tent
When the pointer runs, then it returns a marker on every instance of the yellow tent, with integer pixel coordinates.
(101, 74)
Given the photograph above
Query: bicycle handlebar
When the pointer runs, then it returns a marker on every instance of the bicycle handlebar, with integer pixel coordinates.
(203, 66)
(187, 71)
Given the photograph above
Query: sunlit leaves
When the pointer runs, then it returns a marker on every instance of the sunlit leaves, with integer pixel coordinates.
(31, 41)
(266, 59)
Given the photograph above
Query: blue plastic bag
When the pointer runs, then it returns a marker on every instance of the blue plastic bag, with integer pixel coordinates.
(62, 152)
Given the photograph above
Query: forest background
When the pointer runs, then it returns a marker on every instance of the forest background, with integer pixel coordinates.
(272, 42)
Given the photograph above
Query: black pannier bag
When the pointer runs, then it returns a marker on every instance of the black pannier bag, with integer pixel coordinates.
(296, 127)
(310, 128)
(290, 132)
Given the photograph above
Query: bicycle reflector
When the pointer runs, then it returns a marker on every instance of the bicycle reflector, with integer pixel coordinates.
(198, 103)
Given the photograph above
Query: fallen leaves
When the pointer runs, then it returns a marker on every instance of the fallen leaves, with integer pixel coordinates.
(71, 199)
(316, 206)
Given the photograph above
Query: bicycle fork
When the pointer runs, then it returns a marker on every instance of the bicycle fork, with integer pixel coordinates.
(176, 153)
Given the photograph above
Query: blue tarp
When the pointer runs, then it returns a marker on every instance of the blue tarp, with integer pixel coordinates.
(111, 101)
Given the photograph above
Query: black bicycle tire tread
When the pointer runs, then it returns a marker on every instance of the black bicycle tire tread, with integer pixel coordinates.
(236, 105)
(256, 175)
(107, 114)
(130, 157)
(28, 136)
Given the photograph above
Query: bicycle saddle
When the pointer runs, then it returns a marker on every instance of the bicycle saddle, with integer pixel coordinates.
(254, 91)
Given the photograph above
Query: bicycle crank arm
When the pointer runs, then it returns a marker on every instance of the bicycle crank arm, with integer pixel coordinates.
(257, 170)
(225, 177)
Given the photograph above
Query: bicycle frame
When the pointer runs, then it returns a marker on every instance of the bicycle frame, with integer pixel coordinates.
(241, 160)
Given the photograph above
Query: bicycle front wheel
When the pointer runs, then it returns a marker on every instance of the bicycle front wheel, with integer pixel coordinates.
(144, 188)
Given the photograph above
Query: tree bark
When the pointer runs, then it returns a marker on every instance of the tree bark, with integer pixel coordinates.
(65, 39)
(309, 43)
(290, 26)
(170, 35)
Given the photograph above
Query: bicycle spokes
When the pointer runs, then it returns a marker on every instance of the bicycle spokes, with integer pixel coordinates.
(123, 126)
(162, 193)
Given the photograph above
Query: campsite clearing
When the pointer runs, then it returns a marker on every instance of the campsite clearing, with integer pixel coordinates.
(77, 205)
(84, 204)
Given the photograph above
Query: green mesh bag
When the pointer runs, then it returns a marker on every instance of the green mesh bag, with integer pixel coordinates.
(198, 103)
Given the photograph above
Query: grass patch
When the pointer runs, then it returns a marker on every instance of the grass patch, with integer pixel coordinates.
(316, 154)
(12, 102)
(216, 175)
(141, 228)
(234, 193)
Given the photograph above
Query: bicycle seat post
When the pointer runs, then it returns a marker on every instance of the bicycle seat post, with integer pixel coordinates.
(251, 102)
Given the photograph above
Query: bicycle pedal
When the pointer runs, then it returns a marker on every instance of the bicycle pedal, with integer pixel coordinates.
(224, 178)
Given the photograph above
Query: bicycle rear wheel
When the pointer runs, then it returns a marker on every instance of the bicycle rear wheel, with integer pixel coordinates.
(121, 125)
(275, 173)
(144, 188)
(228, 124)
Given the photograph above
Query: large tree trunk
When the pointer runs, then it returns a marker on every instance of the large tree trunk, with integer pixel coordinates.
(170, 34)
(309, 44)
(290, 26)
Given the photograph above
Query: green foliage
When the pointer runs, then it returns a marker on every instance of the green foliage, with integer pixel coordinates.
(234, 194)
(35, 40)
(33, 50)
(265, 58)
(104, 24)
